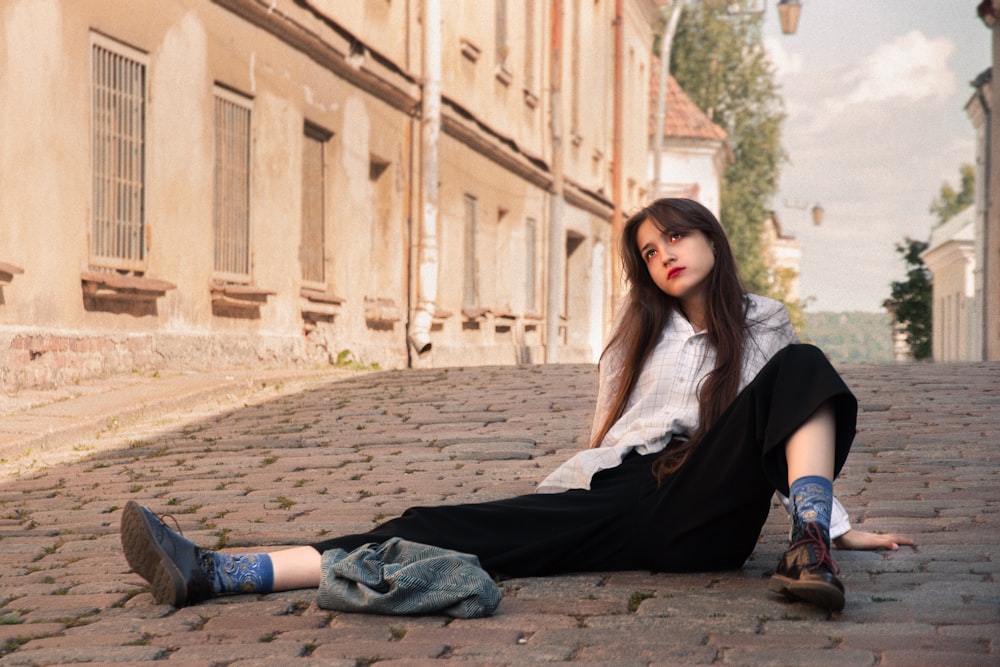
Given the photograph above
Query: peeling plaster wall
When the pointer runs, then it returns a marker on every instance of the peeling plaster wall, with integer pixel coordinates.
(295, 63)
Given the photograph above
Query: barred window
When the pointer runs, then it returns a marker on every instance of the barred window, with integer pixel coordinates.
(500, 34)
(118, 126)
(313, 248)
(530, 267)
(470, 289)
(231, 211)
(529, 45)
(575, 66)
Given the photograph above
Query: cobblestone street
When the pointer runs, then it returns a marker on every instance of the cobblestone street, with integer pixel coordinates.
(303, 456)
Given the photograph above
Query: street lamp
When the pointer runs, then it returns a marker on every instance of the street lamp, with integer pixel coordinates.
(816, 212)
(788, 12)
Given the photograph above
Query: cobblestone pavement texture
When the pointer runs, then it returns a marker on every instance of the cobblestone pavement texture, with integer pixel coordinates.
(242, 460)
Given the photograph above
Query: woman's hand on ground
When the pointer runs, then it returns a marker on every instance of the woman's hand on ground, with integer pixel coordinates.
(859, 540)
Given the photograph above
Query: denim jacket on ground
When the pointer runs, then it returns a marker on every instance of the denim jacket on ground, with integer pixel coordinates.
(402, 577)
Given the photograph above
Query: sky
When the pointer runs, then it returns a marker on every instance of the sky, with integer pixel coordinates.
(875, 94)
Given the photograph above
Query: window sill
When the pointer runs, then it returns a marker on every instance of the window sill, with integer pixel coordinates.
(382, 311)
(475, 314)
(240, 296)
(321, 296)
(7, 273)
(123, 287)
(319, 305)
(470, 50)
(503, 75)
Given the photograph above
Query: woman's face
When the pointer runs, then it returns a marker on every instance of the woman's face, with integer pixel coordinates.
(678, 262)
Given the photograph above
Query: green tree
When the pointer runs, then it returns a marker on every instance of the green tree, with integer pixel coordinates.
(720, 62)
(910, 300)
(950, 203)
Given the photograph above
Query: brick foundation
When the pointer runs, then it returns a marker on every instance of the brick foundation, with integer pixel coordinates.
(37, 359)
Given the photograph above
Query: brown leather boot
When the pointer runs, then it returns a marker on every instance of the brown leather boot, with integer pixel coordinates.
(807, 571)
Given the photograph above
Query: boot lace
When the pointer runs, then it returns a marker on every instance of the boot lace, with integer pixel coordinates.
(177, 526)
(814, 536)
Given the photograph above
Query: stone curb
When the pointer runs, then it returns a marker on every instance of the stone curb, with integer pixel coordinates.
(44, 427)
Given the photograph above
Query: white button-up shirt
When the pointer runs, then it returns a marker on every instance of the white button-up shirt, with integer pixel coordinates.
(664, 403)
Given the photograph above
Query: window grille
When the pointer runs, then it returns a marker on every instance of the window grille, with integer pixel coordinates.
(470, 291)
(531, 255)
(529, 45)
(575, 69)
(231, 218)
(500, 34)
(313, 248)
(118, 117)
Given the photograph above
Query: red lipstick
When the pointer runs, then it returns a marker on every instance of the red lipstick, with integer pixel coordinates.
(674, 272)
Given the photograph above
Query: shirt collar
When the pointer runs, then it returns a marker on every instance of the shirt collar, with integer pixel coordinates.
(679, 324)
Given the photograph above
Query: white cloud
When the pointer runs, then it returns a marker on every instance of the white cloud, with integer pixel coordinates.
(785, 63)
(909, 69)
(875, 124)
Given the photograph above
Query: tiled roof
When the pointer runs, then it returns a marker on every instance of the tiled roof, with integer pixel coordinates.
(683, 118)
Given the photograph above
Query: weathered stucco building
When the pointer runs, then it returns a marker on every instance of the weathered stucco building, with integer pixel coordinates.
(951, 259)
(203, 183)
(783, 257)
(982, 111)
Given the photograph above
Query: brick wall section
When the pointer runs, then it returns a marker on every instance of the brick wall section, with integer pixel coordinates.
(42, 359)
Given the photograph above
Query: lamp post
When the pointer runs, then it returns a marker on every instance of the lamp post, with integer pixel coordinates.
(788, 11)
(816, 212)
(666, 44)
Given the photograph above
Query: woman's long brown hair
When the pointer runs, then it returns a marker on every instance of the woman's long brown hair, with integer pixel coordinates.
(647, 309)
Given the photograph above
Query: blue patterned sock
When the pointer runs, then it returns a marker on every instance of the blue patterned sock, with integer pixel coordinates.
(812, 498)
(242, 573)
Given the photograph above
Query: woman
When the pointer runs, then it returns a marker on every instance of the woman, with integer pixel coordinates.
(707, 405)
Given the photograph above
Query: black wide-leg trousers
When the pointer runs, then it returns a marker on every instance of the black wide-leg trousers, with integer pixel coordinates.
(706, 516)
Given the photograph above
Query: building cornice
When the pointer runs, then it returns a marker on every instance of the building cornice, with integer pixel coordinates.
(587, 200)
(458, 123)
(336, 49)
(948, 253)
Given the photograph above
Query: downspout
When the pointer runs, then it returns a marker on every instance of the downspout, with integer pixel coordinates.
(427, 242)
(982, 251)
(616, 157)
(557, 203)
(659, 133)
(991, 245)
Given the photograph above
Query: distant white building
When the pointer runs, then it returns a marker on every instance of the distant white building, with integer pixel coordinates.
(985, 316)
(783, 258)
(695, 150)
(982, 111)
(951, 259)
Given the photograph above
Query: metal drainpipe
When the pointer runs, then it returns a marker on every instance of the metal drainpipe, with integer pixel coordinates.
(427, 250)
(666, 44)
(616, 156)
(983, 351)
(557, 203)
